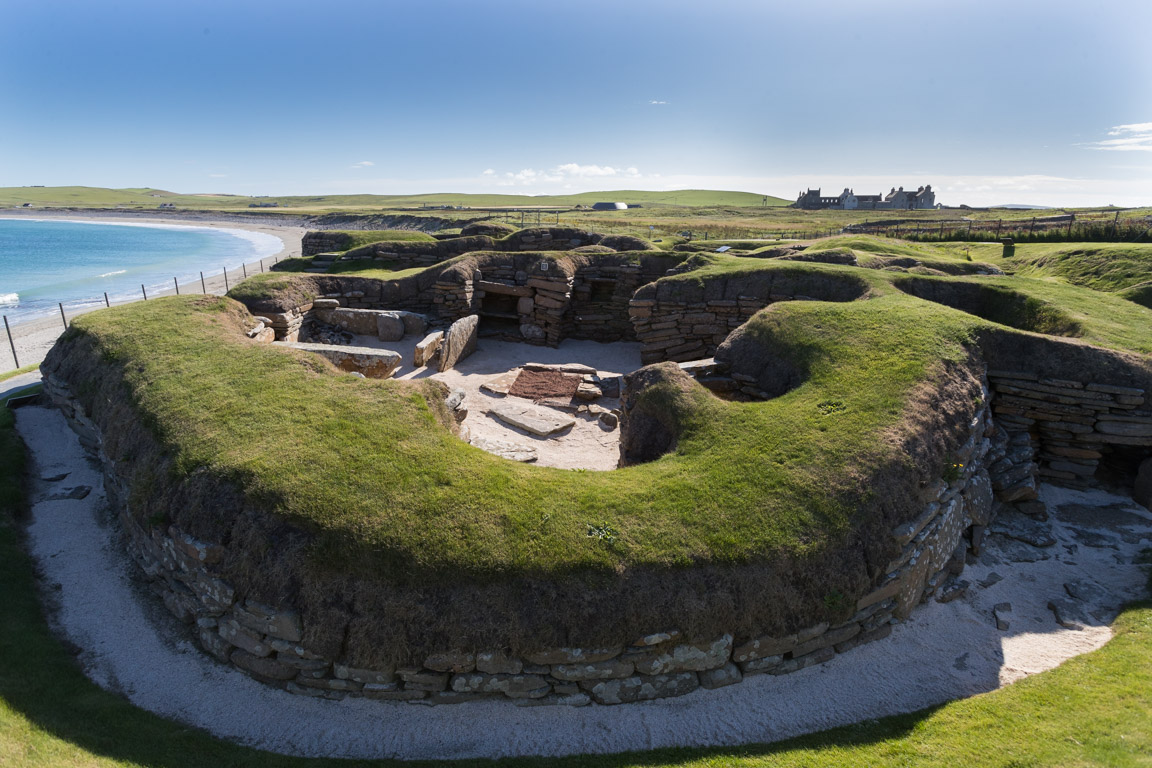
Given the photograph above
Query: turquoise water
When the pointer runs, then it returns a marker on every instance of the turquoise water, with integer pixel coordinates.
(45, 262)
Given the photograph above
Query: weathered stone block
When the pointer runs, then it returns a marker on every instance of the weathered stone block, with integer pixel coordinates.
(573, 655)
(729, 674)
(498, 662)
(262, 666)
(373, 363)
(800, 662)
(365, 676)
(389, 326)
(506, 684)
(459, 342)
(426, 348)
(594, 670)
(641, 687)
(240, 637)
(281, 624)
(417, 680)
(687, 658)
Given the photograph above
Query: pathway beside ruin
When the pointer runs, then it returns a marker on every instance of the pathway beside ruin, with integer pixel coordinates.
(127, 642)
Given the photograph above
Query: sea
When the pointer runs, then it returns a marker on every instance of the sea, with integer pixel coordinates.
(46, 262)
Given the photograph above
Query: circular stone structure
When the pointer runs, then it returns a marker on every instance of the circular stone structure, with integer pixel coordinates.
(810, 452)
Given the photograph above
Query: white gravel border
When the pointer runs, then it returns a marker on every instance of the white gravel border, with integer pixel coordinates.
(129, 644)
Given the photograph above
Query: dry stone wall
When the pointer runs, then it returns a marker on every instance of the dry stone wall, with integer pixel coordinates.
(685, 320)
(1067, 426)
(265, 641)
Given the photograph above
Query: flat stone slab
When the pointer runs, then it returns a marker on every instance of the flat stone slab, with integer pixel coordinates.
(502, 383)
(506, 450)
(459, 342)
(373, 363)
(538, 421)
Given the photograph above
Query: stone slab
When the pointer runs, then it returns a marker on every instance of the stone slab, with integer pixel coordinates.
(531, 418)
(502, 383)
(373, 363)
(506, 450)
(459, 342)
(426, 348)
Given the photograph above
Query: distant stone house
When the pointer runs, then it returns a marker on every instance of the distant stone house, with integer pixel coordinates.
(897, 199)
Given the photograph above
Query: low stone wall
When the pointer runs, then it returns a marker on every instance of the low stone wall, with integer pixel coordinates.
(324, 242)
(684, 320)
(265, 641)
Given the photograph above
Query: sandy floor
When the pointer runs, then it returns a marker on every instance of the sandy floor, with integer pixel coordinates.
(35, 337)
(586, 445)
(945, 651)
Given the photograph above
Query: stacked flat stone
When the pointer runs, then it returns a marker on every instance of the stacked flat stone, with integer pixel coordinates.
(1072, 423)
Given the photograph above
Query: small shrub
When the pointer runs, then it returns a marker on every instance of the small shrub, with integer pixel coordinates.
(829, 407)
(603, 532)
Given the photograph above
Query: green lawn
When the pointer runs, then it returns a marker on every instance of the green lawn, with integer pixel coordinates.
(93, 197)
(18, 372)
(1094, 710)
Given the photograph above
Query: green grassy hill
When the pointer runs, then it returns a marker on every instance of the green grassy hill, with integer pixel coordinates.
(99, 197)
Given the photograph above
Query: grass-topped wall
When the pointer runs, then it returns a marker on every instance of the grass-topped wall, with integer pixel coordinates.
(353, 500)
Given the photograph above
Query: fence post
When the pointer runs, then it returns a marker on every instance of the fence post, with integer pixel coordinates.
(143, 291)
(106, 302)
(1071, 218)
(245, 270)
(1032, 226)
(62, 317)
(261, 266)
(203, 287)
(969, 235)
(177, 286)
(226, 288)
(1116, 225)
(998, 223)
(10, 342)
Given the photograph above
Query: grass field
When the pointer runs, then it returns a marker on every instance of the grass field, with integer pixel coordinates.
(92, 197)
(1093, 710)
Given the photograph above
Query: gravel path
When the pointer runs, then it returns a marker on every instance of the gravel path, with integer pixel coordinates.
(944, 652)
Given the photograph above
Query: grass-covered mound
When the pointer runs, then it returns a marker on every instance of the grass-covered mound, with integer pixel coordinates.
(1107, 267)
(353, 499)
(1092, 710)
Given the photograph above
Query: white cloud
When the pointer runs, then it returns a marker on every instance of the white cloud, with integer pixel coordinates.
(566, 176)
(655, 101)
(1133, 137)
(363, 164)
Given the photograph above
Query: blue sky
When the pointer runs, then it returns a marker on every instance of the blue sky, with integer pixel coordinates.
(990, 102)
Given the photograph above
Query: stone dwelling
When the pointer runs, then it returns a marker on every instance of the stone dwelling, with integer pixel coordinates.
(896, 199)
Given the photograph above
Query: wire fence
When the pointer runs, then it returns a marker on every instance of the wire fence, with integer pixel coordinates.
(1094, 226)
(23, 325)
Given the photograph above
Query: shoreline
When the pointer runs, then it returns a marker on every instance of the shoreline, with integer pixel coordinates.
(33, 337)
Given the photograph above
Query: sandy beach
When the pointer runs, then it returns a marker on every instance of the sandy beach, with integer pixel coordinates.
(33, 338)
